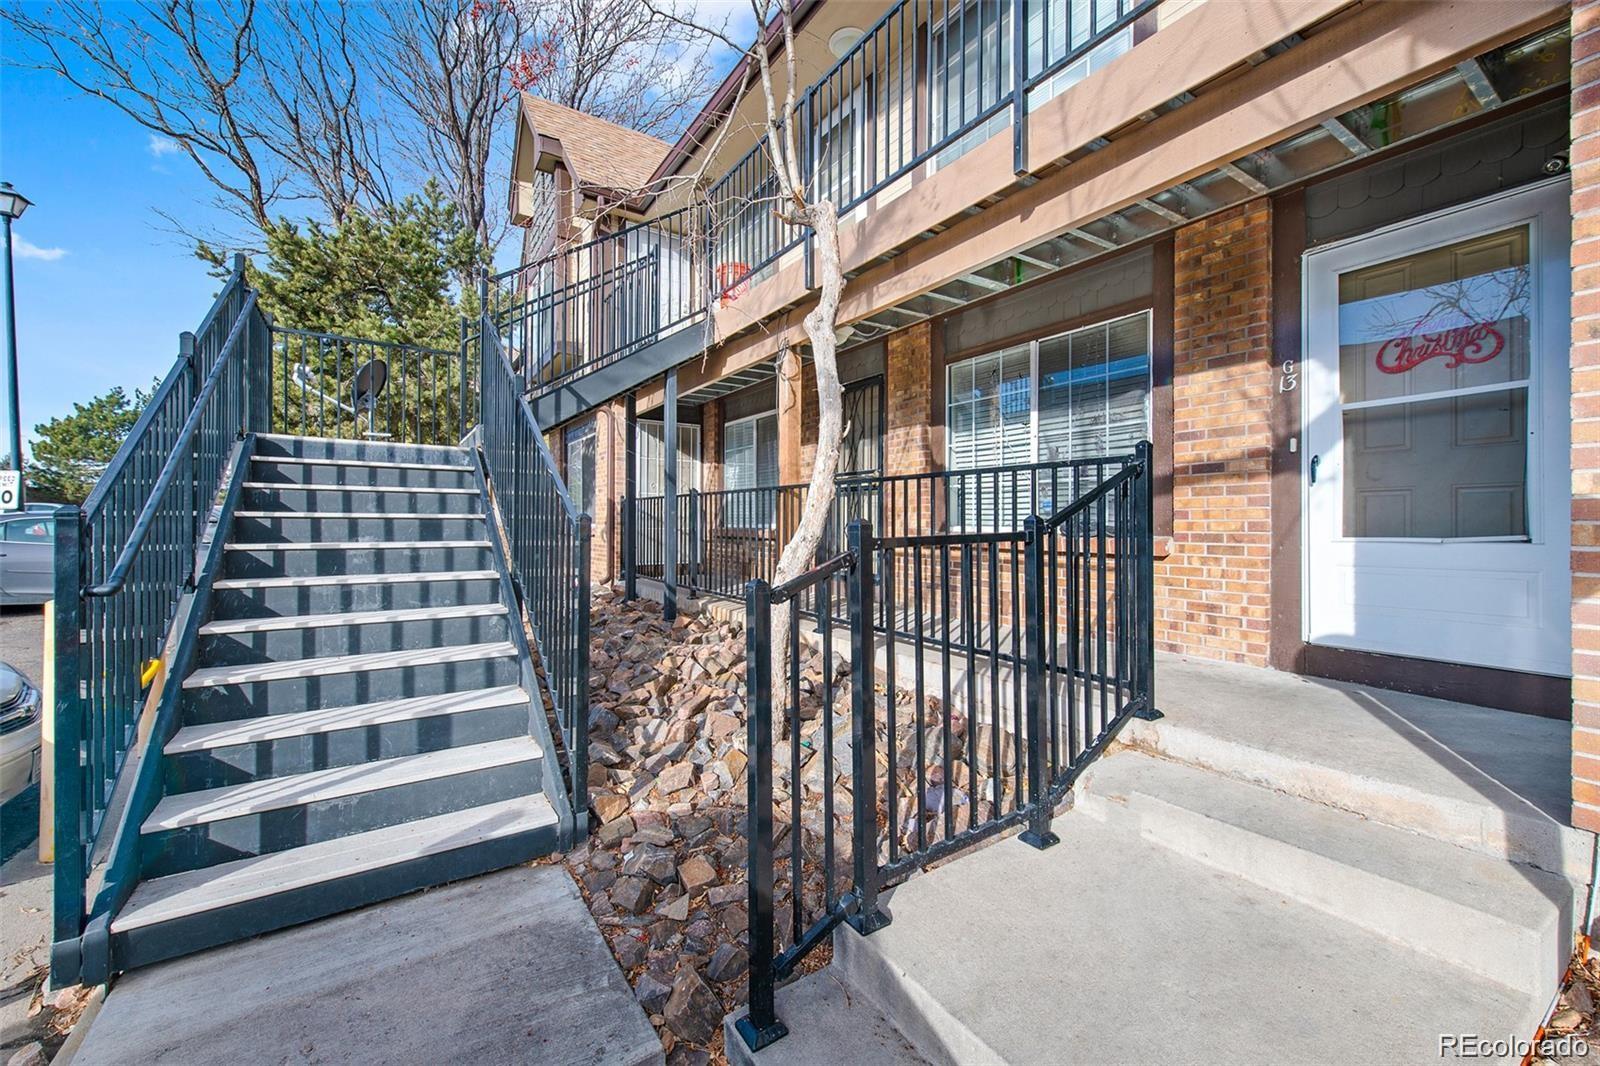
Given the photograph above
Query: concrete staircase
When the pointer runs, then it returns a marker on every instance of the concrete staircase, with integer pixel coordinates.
(357, 721)
(1279, 870)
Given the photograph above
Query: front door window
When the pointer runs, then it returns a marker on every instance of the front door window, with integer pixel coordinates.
(1434, 364)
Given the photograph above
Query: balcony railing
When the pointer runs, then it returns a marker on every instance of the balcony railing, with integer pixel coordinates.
(927, 81)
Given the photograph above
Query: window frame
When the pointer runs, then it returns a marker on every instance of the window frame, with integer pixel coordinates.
(756, 523)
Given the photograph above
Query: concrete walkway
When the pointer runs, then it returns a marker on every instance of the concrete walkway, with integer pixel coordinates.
(508, 967)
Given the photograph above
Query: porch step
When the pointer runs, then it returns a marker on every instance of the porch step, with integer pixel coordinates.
(1013, 955)
(1509, 923)
(191, 830)
(251, 527)
(352, 472)
(272, 445)
(255, 640)
(385, 499)
(1487, 780)
(195, 909)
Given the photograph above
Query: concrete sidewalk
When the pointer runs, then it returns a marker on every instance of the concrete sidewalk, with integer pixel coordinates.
(508, 967)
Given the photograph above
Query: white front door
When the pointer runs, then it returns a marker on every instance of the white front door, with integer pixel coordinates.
(1436, 474)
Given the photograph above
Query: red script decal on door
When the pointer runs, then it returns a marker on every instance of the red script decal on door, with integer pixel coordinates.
(1477, 343)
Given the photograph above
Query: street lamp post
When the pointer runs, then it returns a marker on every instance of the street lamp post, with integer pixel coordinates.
(12, 205)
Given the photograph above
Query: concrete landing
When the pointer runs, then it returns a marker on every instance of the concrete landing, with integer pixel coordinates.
(1485, 779)
(829, 1022)
(1111, 948)
(508, 967)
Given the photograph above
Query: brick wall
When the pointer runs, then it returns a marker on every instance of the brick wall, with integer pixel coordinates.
(711, 446)
(909, 375)
(610, 474)
(1586, 414)
(1212, 591)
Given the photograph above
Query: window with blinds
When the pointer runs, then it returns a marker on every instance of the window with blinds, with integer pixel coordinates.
(1076, 395)
(580, 466)
(652, 468)
(750, 461)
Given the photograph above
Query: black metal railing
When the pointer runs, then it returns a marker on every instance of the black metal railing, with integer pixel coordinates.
(584, 307)
(329, 385)
(123, 562)
(974, 707)
(928, 80)
(547, 546)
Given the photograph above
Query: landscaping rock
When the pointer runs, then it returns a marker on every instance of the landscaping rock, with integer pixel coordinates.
(693, 1011)
(728, 963)
(633, 894)
(651, 993)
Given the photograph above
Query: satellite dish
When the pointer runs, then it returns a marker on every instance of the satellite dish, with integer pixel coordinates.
(369, 383)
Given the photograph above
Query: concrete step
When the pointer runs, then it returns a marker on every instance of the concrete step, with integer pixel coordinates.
(385, 499)
(251, 526)
(220, 693)
(1479, 778)
(187, 911)
(1500, 920)
(274, 445)
(259, 640)
(353, 472)
(278, 745)
(330, 558)
(1112, 948)
(192, 830)
(276, 597)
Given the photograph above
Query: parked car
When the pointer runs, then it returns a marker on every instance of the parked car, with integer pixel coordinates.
(27, 558)
(20, 706)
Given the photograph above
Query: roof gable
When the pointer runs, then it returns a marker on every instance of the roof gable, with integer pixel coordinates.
(599, 153)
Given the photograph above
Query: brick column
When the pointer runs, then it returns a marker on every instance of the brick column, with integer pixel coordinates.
(711, 446)
(791, 405)
(610, 482)
(1213, 592)
(909, 382)
(1586, 414)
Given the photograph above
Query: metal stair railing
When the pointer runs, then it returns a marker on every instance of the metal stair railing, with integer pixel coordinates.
(123, 562)
(546, 539)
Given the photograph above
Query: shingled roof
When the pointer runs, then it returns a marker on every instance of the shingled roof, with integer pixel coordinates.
(598, 152)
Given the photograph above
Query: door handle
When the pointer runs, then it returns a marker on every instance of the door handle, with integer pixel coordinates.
(1316, 460)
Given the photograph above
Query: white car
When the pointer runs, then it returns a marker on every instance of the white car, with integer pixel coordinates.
(21, 708)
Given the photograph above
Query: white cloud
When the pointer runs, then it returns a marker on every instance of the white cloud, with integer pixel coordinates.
(27, 250)
(160, 146)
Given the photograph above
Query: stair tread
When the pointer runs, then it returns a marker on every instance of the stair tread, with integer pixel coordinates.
(329, 719)
(226, 626)
(282, 486)
(348, 545)
(195, 891)
(352, 579)
(291, 460)
(249, 673)
(1522, 895)
(355, 514)
(275, 793)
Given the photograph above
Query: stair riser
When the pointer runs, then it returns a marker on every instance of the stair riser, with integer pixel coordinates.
(182, 936)
(315, 642)
(305, 528)
(341, 562)
(364, 451)
(333, 498)
(216, 767)
(192, 847)
(225, 703)
(1503, 952)
(326, 599)
(288, 472)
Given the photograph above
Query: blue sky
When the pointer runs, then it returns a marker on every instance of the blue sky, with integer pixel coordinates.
(103, 286)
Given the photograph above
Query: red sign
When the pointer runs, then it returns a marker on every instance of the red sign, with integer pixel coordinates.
(1477, 343)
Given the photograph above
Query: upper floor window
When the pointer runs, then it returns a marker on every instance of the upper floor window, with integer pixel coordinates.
(580, 466)
(970, 67)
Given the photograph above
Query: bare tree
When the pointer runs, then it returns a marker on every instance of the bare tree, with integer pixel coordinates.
(799, 201)
(445, 63)
(266, 102)
(642, 65)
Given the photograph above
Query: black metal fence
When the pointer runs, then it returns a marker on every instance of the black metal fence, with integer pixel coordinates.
(329, 385)
(965, 720)
(123, 562)
(547, 545)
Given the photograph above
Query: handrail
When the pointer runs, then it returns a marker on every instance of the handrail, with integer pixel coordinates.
(169, 470)
(1082, 503)
(562, 494)
(365, 342)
